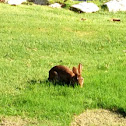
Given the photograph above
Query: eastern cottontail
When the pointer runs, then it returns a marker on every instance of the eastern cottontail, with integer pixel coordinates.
(64, 74)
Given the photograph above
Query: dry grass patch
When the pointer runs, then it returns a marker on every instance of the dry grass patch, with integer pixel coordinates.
(85, 33)
(99, 117)
(16, 121)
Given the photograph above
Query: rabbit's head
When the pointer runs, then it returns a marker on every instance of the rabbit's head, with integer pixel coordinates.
(77, 75)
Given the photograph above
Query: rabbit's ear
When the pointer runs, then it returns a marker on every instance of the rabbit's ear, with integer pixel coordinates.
(75, 70)
(79, 68)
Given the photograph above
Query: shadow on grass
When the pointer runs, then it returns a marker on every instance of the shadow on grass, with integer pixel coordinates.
(115, 109)
(34, 81)
(59, 83)
(49, 83)
(120, 111)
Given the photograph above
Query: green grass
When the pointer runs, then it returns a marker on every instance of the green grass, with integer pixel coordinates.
(35, 38)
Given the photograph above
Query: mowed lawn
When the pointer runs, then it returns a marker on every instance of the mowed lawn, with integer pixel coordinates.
(35, 38)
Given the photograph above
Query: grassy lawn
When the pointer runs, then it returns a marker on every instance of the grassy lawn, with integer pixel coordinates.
(35, 38)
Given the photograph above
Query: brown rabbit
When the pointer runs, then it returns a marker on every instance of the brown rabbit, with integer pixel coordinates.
(64, 74)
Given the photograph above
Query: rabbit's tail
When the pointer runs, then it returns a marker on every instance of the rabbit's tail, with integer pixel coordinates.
(53, 75)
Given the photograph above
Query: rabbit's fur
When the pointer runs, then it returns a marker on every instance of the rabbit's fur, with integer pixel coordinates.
(66, 75)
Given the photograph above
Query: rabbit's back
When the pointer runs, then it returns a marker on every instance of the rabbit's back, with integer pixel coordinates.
(61, 73)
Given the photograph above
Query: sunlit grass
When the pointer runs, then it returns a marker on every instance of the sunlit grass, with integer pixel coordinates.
(35, 38)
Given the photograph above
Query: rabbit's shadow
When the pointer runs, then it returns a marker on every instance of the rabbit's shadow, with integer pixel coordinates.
(49, 83)
(35, 81)
(60, 83)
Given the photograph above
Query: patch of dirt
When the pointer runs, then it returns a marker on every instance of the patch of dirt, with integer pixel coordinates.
(99, 117)
(16, 121)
